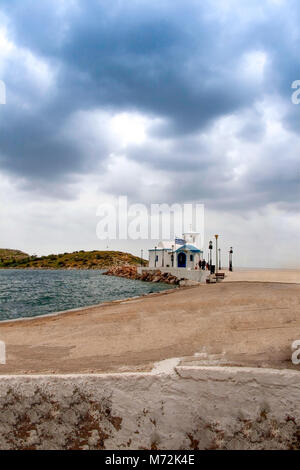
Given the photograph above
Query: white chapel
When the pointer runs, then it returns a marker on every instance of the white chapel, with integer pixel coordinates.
(178, 253)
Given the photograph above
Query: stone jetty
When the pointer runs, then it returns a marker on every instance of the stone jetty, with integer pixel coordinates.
(130, 272)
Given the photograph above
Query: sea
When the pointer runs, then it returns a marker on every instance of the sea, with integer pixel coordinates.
(31, 293)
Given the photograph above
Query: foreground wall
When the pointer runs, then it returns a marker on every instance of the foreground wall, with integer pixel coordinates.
(185, 408)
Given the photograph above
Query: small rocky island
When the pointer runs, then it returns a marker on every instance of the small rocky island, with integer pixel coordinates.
(16, 259)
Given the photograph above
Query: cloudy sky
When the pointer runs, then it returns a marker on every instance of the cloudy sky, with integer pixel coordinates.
(162, 101)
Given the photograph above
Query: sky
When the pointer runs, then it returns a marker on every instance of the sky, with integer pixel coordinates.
(161, 101)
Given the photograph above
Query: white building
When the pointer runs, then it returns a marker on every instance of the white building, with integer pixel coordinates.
(168, 254)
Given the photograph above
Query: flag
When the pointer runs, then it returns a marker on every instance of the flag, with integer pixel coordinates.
(180, 241)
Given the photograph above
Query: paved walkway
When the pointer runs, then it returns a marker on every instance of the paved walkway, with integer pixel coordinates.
(244, 323)
(265, 275)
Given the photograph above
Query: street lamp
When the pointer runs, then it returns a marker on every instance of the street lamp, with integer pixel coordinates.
(230, 259)
(210, 247)
(216, 237)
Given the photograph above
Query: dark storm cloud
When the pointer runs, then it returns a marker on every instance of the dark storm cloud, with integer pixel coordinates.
(179, 61)
(167, 61)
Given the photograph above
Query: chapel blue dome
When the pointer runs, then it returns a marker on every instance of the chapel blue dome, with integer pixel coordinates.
(188, 247)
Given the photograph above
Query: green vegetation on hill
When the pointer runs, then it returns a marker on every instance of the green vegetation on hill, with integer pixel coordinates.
(8, 255)
(77, 260)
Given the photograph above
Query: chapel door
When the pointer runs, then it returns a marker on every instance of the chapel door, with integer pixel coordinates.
(181, 260)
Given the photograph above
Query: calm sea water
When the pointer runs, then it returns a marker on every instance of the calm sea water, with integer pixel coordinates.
(31, 293)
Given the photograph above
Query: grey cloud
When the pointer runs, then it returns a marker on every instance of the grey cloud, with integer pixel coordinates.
(180, 62)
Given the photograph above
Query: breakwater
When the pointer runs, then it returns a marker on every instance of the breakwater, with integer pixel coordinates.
(153, 275)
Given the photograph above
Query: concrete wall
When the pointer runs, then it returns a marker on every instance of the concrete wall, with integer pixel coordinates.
(181, 408)
(191, 274)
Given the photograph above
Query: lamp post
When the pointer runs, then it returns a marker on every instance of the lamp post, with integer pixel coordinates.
(210, 247)
(216, 237)
(155, 248)
(230, 259)
(220, 264)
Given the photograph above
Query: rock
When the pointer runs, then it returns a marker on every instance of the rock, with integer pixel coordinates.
(130, 272)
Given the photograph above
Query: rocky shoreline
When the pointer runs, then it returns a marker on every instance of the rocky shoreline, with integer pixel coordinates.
(130, 272)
